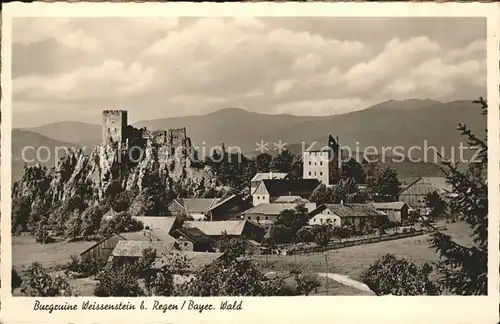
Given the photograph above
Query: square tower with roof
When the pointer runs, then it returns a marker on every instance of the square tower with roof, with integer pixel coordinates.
(321, 160)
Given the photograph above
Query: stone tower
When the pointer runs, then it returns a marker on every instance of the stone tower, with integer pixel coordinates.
(114, 125)
(321, 160)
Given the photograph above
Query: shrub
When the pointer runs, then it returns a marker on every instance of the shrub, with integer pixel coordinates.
(41, 284)
(397, 276)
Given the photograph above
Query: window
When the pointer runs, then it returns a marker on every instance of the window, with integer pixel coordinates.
(267, 218)
(320, 162)
(310, 162)
(315, 163)
(249, 217)
(258, 197)
(321, 220)
(258, 218)
(321, 173)
(310, 172)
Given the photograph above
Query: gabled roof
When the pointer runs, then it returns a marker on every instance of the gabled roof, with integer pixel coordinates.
(135, 248)
(299, 187)
(275, 208)
(323, 144)
(197, 260)
(164, 223)
(194, 234)
(439, 183)
(350, 210)
(198, 205)
(217, 228)
(291, 199)
(396, 205)
(269, 175)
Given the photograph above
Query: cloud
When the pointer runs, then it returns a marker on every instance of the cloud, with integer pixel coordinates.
(169, 67)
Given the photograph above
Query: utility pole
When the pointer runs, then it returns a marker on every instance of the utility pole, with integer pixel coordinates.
(326, 271)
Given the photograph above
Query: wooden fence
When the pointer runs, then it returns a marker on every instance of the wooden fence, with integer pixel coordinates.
(347, 243)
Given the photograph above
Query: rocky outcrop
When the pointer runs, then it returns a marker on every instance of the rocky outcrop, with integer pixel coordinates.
(93, 173)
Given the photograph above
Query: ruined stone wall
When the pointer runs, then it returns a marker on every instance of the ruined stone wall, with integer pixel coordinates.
(114, 126)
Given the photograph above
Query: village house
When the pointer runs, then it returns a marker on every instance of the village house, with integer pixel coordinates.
(321, 160)
(193, 239)
(266, 214)
(210, 209)
(341, 215)
(397, 211)
(414, 194)
(233, 228)
(258, 177)
(103, 248)
(270, 190)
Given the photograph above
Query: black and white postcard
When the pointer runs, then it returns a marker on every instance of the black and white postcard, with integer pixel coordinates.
(168, 162)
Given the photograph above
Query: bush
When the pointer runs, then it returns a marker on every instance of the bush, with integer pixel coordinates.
(41, 284)
(84, 268)
(118, 281)
(397, 276)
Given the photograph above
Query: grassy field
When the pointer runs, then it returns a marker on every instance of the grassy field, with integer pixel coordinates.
(25, 250)
(351, 261)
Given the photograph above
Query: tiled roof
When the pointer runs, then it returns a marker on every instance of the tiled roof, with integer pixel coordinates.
(397, 205)
(230, 227)
(299, 187)
(135, 248)
(275, 209)
(269, 175)
(352, 210)
(164, 223)
(198, 205)
(194, 234)
(290, 199)
(197, 260)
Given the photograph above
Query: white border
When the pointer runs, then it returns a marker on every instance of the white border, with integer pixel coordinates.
(271, 309)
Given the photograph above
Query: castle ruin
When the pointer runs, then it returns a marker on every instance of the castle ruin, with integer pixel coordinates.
(116, 131)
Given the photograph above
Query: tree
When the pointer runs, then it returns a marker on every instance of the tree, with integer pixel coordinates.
(91, 221)
(281, 234)
(262, 162)
(398, 276)
(353, 170)
(320, 195)
(118, 280)
(306, 283)
(42, 233)
(234, 276)
(323, 235)
(73, 225)
(382, 181)
(294, 219)
(464, 269)
(120, 223)
(282, 162)
(21, 209)
(16, 280)
(41, 284)
(436, 205)
(296, 167)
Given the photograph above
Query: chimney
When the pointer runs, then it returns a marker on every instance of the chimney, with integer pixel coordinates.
(342, 202)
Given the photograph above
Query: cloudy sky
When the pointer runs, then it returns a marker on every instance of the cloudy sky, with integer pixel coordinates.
(72, 69)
